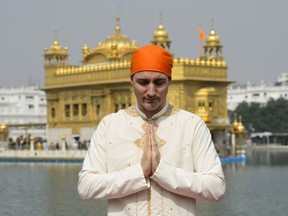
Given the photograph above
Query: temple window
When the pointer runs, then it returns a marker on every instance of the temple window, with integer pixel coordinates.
(98, 108)
(84, 109)
(67, 110)
(53, 112)
(116, 108)
(210, 104)
(201, 105)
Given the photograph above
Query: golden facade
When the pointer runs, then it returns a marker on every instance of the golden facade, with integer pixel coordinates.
(79, 96)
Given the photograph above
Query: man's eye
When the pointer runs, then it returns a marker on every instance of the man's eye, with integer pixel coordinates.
(143, 82)
(160, 82)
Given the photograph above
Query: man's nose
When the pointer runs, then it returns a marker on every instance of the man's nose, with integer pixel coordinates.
(151, 90)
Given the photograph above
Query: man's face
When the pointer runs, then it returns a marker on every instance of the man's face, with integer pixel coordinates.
(150, 89)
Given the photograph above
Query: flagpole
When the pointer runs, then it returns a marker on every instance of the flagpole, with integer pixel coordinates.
(201, 38)
(200, 48)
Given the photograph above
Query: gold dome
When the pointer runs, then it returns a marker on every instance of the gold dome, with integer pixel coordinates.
(56, 48)
(213, 47)
(117, 45)
(160, 37)
(160, 32)
(213, 39)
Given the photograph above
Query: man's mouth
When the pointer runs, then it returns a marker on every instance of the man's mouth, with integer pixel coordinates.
(149, 100)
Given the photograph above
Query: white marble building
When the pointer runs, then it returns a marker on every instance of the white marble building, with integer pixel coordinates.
(238, 93)
(23, 110)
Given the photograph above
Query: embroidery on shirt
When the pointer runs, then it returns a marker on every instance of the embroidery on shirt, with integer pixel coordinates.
(131, 111)
(140, 142)
(171, 110)
(149, 201)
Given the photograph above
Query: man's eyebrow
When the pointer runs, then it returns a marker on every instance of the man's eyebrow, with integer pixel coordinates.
(148, 79)
(160, 78)
(142, 78)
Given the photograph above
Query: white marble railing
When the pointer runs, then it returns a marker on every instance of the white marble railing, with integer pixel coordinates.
(69, 154)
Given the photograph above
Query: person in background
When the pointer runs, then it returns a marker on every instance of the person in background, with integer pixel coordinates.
(151, 158)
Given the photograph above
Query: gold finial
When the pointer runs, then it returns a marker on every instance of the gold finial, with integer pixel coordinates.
(118, 19)
(119, 11)
(212, 24)
(85, 48)
(85, 42)
(238, 127)
(55, 37)
(160, 18)
(117, 28)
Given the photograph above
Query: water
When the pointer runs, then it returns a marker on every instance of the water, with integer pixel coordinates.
(43, 190)
(257, 188)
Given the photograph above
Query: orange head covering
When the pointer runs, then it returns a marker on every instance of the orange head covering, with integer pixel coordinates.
(151, 58)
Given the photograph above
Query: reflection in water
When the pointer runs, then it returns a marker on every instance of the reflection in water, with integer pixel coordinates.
(268, 157)
(43, 189)
(258, 187)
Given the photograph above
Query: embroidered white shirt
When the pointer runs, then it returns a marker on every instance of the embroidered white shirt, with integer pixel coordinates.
(189, 168)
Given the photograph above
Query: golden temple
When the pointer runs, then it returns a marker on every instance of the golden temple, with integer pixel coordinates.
(79, 96)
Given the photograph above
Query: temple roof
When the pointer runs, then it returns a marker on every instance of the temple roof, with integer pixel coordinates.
(116, 46)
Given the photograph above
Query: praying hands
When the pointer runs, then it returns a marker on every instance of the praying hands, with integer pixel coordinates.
(151, 156)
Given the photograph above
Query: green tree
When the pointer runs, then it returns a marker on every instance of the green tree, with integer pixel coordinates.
(272, 117)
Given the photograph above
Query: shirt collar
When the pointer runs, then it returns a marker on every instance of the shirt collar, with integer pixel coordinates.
(157, 115)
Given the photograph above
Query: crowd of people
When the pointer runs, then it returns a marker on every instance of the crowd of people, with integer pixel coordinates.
(22, 143)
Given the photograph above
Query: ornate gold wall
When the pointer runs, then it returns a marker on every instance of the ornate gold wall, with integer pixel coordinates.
(79, 96)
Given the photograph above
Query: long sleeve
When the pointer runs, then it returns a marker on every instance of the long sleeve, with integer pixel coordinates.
(206, 180)
(96, 182)
(189, 167)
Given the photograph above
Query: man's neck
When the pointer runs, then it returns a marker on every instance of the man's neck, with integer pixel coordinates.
(150, 115)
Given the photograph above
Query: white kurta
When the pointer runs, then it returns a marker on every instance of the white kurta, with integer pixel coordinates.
(189, 168)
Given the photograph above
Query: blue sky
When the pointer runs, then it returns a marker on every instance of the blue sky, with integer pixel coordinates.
(253, 32)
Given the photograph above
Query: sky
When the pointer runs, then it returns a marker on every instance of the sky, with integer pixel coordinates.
(253, 33)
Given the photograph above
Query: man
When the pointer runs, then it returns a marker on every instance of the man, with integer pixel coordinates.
(152, 158)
